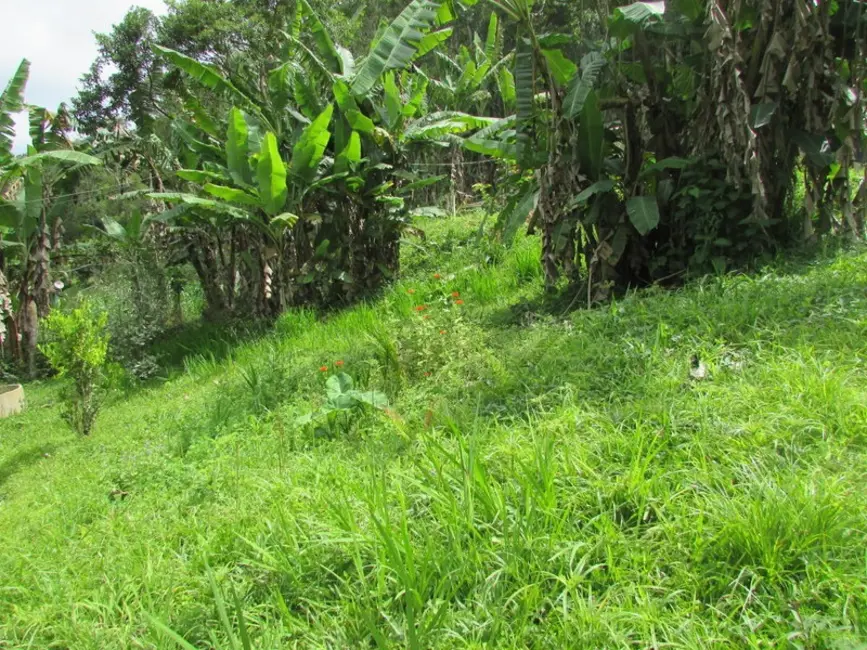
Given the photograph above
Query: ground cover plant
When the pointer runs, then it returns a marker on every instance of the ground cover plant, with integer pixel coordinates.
(537, 479)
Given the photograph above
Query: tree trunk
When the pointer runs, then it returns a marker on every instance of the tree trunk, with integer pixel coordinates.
(41, 265)
(204, 262)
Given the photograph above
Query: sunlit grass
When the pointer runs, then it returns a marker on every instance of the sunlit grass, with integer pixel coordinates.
(539, 480)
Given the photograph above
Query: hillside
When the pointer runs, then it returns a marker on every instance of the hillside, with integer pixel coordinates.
(679, 469)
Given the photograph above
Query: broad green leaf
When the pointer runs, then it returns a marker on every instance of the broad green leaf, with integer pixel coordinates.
(582, 84)
(506, 86)
(347, 62)
(639, 15)
(393, 201)
(200, 116)
(391, 97)
(816, 147)
(33, 195)
(187, 132)
(285, 220)
(436, 125)
(415, 102)
(349, 107)
(193, 201)
(11, 102)
(59, 155)
(326, 180)
(445, 13)
(237, 148)
(210, 77)
(10, 215)
(271, 175)
(350, 156)
(310, 147)
(465, 82)
(199, 176)
(279, 86)
(596, 188)
(113, 229)
(306, 97)
(324, 45)
(642, 12)
(554, 40)
(643, 212)
(312, 62)
(38, 119)
(397, 46)
(374, 398)
(666, 163)
(761, 114)
(430, 42)
(561, 68)
(338, 385)
(516, 214)
(422, 182)
(591, 137)
(492, 39)
(492, 140)
(232, 194)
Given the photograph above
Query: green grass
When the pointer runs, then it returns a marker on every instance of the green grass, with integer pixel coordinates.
(539, 481)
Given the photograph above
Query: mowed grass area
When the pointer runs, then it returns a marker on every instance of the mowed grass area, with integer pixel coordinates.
(540, 480)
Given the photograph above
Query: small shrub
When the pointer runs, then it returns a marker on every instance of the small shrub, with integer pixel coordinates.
(343, 404)
(136, 294)
(77, 349)
(435, 335)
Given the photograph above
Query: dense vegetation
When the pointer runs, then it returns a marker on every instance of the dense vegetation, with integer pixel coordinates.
(538, 480)
(363, 313)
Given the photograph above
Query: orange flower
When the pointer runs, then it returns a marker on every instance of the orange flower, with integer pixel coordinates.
(323, 369)
(437, 276)
(339, 364)
(442, 331)
(459, 302)
(456, 294)
(410, 291)
(421, 308)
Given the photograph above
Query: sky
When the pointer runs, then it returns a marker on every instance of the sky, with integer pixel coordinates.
(57, 37)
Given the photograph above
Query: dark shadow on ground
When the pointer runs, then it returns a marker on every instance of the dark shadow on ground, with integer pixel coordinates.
(23, 459)
(214, 340)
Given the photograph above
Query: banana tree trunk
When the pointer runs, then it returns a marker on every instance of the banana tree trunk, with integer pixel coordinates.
(42, 268)
(204, 262)
(28, 326)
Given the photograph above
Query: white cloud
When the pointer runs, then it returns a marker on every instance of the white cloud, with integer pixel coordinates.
(57, 37)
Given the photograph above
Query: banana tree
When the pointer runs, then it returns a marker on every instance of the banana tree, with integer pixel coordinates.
(307, 180)
(36, 194)
(477, 79)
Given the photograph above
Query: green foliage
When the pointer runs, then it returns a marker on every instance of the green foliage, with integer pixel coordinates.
(397, 46)
(11, 102)
(342, 406)
(552, 459)
(78, 349)
(132, 287)
(608, 166)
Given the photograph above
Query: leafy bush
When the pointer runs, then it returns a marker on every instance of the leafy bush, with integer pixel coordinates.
(78, 349)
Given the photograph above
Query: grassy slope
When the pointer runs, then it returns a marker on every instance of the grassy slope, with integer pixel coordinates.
(552, 482)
